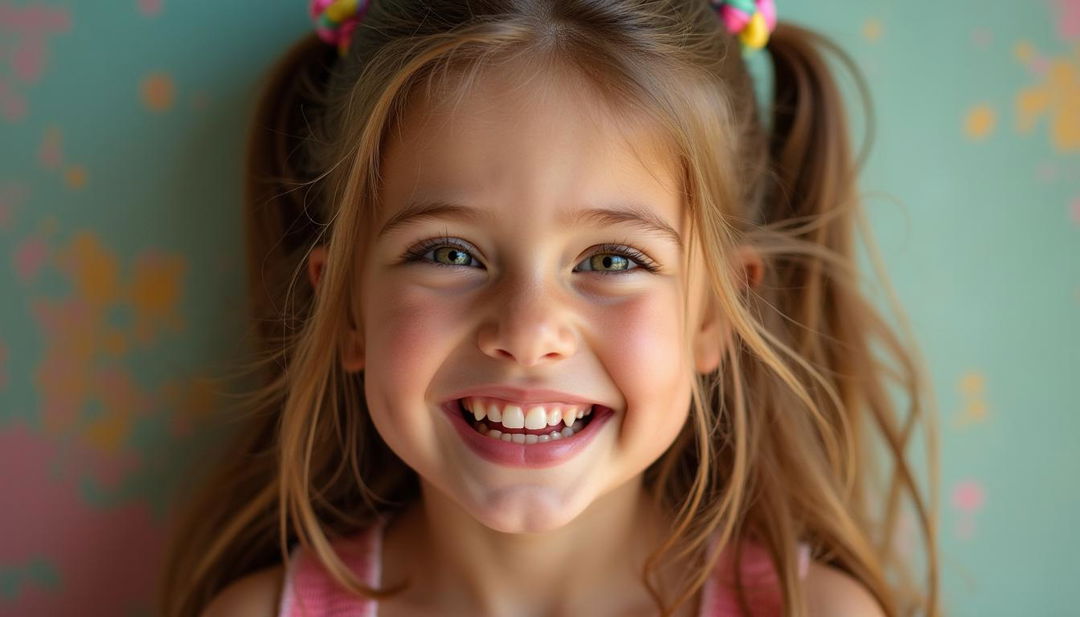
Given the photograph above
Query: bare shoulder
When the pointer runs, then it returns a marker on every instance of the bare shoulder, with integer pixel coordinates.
(254, 595)
(831, 592)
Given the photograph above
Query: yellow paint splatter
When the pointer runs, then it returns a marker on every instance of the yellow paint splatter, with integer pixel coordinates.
(972, 383)
(980, 122)
(873, 30)
(75, 176)
(157, 92)
(972, 387)
(84, 359)
(1058, 97)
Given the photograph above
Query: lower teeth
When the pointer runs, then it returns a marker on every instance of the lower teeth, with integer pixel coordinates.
(566, 431)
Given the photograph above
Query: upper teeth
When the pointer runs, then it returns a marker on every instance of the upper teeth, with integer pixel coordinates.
(529, 416)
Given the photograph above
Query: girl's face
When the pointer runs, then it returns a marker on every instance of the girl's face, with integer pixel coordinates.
(515, 287)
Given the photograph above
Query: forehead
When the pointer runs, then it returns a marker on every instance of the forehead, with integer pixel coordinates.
(527, 147)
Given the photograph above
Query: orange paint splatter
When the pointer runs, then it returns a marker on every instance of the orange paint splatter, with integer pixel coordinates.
(157, 92)
(980, 122)
(82, 381)
(872, 30)
(94, 271)
(1058, 97)
(75, 176)
(972, 388)
(154, 294)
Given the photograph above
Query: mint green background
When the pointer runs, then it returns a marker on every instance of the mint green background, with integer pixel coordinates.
(980, 238)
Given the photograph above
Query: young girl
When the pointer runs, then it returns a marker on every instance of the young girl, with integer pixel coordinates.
(554, 325)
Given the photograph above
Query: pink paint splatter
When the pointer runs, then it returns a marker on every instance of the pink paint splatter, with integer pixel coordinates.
(1074, 209)
(1068, 19)
(89, 547)
(27, 28)
(149, 8)
(1040, 65)
(968, 496)
(30, 255)
(981, 37)
(32, 24)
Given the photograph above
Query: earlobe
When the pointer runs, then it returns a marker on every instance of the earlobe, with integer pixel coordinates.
(750, 265)
(316, 261)
(352, 354)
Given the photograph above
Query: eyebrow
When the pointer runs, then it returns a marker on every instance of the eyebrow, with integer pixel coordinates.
(623, 214)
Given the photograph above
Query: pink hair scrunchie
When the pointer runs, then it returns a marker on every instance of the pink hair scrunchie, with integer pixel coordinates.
(335, 20)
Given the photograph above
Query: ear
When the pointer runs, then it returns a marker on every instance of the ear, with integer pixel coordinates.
(713, 333)
(352, 347)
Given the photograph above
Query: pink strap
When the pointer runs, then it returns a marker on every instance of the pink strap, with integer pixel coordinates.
(759, 579)
(309, 590)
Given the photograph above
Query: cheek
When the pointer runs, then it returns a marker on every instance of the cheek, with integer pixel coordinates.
(406, 333)
(643, 352)
(640, 336)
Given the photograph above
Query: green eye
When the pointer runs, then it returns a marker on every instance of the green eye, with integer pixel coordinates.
(607, 262)
(609, 258)
(455, 256)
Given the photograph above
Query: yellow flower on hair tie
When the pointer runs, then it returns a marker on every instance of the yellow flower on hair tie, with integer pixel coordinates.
(752, 20)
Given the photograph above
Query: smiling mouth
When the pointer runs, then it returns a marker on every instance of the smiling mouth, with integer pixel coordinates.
(498, 431)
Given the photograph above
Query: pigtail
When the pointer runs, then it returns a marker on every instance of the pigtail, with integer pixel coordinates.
(280, 205)
(812, 206)
(230, 527)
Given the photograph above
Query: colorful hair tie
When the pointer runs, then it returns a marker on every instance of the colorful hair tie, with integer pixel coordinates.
(335, 20)
(752, 20)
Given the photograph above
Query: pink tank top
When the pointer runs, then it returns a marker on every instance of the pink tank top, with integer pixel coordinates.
(310, 592)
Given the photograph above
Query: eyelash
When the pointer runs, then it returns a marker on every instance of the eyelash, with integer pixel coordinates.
(418, 254)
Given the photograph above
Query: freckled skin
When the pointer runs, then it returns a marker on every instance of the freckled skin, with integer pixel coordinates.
(526, 311)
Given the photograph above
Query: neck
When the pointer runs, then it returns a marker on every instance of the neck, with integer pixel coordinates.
(459, 566)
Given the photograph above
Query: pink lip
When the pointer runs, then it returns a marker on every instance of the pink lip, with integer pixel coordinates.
(531, 456)
(523, 396)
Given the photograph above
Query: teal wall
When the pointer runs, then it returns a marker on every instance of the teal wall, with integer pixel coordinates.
(121, 127)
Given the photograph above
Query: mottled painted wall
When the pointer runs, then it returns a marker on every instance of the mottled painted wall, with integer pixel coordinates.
(121, 127)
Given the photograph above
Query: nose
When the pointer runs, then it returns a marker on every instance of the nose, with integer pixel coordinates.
(529, 325)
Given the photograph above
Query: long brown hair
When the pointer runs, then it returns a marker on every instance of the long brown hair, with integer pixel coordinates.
(809, 355)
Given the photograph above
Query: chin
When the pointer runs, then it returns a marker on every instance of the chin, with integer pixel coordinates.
(525, 510)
